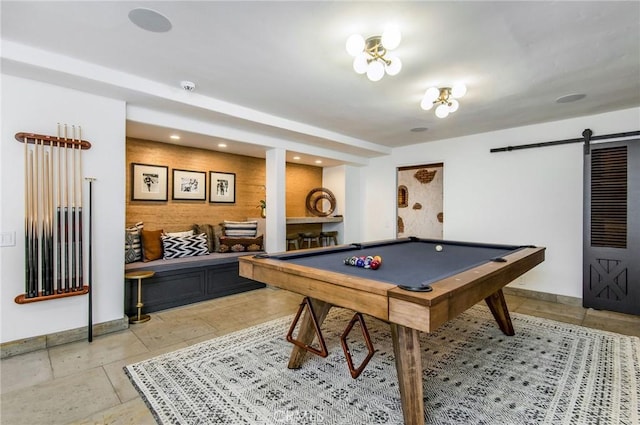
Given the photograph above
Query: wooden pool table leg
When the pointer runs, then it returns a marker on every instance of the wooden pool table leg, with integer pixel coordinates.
(306, 331)
(406, 347)
(498, 307)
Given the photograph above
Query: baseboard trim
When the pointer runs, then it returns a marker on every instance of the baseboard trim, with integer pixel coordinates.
(27, 345)
(543, 296)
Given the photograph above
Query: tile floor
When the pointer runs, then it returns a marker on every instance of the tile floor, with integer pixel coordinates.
(84, 383)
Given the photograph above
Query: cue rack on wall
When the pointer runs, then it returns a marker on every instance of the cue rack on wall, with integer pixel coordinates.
(54, 266)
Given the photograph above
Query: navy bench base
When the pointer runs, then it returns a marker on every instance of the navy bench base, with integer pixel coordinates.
(185, 281)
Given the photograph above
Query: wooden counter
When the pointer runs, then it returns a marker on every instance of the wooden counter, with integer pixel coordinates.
(313, 220)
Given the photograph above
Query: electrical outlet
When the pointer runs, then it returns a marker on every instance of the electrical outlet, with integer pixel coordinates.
(8, 239)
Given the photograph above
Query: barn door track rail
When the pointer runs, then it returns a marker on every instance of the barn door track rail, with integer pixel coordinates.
(587, 137)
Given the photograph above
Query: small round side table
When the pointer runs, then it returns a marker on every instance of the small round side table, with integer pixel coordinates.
(139, 275)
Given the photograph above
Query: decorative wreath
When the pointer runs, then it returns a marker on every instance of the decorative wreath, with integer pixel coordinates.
(315, 200)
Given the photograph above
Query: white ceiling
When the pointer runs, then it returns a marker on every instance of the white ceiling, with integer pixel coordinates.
(276, 73)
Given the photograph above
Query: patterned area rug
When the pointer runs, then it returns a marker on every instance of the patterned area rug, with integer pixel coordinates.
(549, 373)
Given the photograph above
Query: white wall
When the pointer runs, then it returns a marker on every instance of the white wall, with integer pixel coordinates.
(344, 183)
(531, 196)
(30, 106)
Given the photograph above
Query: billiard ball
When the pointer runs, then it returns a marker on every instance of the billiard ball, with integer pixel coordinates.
(378, 258)
(360, 262)
(352, 260)
(375, 264)
(438, 248)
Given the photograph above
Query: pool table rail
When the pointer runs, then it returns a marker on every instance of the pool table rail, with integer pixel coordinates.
(363, 295)
(426, 311)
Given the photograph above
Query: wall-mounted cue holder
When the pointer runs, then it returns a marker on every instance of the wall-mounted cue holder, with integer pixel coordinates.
(51, 140)
(54, 250)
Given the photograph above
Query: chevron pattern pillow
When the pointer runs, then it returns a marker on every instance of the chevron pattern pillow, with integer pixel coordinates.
(188, 246)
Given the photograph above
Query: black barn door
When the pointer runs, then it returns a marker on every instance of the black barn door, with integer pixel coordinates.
(612, 227)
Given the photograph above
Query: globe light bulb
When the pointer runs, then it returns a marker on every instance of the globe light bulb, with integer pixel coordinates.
(431, 94)
(426, 104)
(453, 105)
(375, 71)
(395, 65)
(391, 38)
(458, 90)
(355, 44)
(442, 111)
(360, 64)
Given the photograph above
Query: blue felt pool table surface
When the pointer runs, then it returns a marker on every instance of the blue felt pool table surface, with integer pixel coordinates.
(412, 263)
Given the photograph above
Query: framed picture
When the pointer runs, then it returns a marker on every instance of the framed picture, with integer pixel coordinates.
(222, 187)
(148, 182)
(189, 185)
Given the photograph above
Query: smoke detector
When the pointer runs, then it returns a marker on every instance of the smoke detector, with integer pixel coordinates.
(188, 85)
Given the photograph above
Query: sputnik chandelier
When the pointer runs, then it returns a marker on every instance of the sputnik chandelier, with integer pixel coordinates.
(444, 97)
(372, 55)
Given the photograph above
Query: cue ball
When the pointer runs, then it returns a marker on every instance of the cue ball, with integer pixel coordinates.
(438, 248)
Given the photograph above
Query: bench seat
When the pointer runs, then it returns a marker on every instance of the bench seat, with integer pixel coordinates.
(182, 281)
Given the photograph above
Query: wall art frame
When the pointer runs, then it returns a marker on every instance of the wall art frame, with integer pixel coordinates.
(222, 187)
(189, 185)
(149, 182)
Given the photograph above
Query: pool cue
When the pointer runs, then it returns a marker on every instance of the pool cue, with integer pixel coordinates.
(80, 228)
(28, 231)
(90, 280)
(47, 236)
(44, 222)
(33, 288)
(52, 254)
(60, 262)
(37, 202)
(74, 235)
(67, 274)
(36, 210)
(27, 240)
(56, 226)
(39, 217)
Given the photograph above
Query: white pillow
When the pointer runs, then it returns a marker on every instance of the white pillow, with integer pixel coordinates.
(180, 234)
(241, 228)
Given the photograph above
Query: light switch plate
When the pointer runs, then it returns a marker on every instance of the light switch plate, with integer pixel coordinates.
(8, 239)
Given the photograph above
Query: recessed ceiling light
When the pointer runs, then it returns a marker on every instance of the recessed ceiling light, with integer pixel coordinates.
(174, 137)
(318, 161)
(296, 158)
(571, 98)
(418, 129)
(149, 20)
(222, 145)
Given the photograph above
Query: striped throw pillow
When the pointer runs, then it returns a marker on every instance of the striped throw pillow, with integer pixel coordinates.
(245, 229)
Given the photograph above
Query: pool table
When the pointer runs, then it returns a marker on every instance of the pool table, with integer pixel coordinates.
(421, 284)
